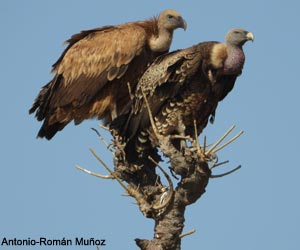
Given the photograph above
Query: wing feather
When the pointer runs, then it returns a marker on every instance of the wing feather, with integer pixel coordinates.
(163, 80)
(100, 56)
(160, 82)
(169, 70)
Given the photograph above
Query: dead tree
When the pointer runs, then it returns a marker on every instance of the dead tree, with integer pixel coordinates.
(191, 167)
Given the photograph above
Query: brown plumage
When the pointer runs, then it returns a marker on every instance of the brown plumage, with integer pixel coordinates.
(92, 74)
(181, 86)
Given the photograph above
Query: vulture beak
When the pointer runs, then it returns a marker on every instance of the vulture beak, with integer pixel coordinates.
(183, 23)
(250, 36)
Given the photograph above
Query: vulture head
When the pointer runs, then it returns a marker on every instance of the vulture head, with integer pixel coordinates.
(171, 20)
(238, 37)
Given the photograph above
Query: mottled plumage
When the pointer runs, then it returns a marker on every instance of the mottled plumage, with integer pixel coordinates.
(92, 74)
(181, 86)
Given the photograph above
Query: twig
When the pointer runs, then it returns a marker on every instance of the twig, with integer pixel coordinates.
(170, 185)
(173, 174)
(94, 174)
(220, 140)
(227, 173)
(104, 127)
(164, 195)
(204, 144)
(163, 171)
(150, 116)
(102, 139)
(187, 233)
(218, 164)
(230, 141)
(200, 153)
(109, 170)
(185, 137)
(130, 91)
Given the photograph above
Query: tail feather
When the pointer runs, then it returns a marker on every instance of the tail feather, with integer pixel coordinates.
(41, 103)
(43, 110)
(139, 153)
(48, 131)
(118, 124)
(138, 145)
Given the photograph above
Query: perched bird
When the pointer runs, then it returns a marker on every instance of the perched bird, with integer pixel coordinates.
(95, 72)
(180, 87)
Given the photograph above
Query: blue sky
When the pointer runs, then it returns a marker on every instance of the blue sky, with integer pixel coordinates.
(43, 195)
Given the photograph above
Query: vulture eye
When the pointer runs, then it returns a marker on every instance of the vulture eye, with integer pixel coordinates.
(170, 16)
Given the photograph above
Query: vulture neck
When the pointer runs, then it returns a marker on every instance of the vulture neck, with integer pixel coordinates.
(234, 62)
(162, 42)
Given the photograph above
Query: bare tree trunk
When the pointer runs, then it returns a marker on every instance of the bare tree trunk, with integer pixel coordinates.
(164, 204)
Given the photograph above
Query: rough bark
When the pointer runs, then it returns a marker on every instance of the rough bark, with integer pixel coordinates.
(189, 167)
(165, 205)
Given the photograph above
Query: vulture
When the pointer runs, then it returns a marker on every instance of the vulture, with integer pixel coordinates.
(99, 69)
(180, 87)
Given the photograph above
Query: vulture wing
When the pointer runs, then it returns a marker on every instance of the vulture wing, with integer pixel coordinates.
(86, 69)
(99, 67)
(168, 77)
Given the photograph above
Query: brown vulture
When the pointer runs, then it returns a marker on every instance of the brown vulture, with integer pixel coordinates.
(93, 74)
(179, 87)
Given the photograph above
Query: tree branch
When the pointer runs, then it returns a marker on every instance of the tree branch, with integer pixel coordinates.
(164, 204)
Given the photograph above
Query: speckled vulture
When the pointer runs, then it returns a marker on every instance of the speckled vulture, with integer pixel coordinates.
(92, 74)
(182, 86)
